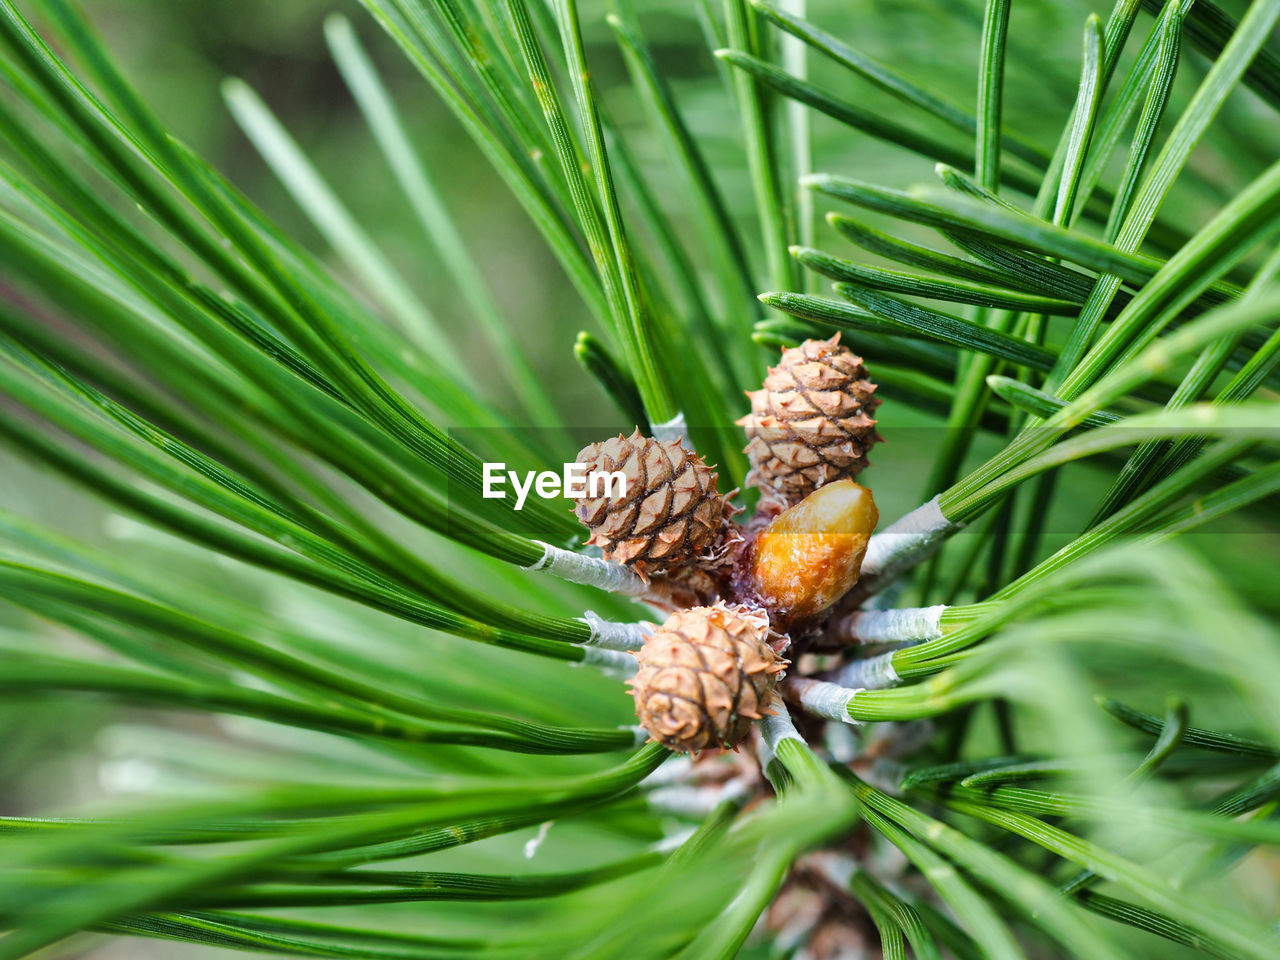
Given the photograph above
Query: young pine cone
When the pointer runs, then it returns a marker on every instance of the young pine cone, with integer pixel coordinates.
(670, 514)
(811, 423)
(704, 675)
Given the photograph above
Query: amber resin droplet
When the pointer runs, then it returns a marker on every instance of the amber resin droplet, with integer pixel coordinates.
(810, 555)
(704, 676)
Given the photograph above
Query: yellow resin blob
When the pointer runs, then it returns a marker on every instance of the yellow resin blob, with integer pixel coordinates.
(810, 555)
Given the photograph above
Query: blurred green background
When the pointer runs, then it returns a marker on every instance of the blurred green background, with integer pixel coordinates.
(178, 52)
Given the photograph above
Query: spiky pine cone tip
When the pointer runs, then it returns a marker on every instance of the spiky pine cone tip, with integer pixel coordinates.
(671, 514)
(811, 422)
(704, 676)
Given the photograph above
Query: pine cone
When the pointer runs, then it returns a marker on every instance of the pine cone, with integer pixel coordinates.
(671, 513)
(811, 423)
(704, 676)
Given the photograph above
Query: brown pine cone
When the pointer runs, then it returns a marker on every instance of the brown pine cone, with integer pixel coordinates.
(811, 423)
(671, 514)
(704, 675)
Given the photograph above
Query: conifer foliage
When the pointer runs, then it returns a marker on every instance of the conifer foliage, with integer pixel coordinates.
(341, 703)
